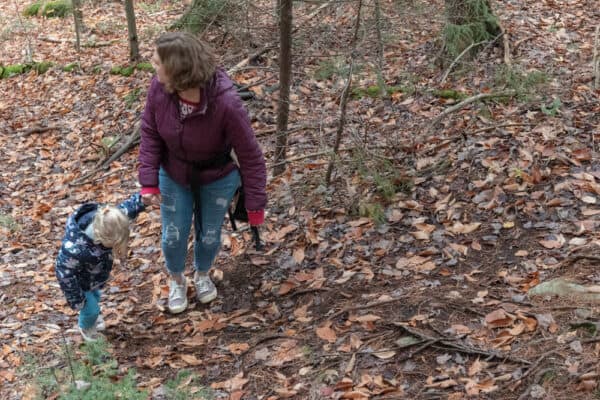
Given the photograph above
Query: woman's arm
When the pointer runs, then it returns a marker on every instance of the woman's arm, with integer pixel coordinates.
(253, 169)
(152, 145)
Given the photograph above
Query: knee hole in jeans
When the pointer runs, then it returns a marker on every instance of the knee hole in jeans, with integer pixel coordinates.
(168, 203)
(171, 235)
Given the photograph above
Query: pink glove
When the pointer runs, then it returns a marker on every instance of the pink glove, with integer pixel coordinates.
(256, 217)
(149, 190)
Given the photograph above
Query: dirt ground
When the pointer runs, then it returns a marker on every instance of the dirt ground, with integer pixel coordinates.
(430, 304)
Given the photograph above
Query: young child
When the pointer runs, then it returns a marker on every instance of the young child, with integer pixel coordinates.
(85, 257)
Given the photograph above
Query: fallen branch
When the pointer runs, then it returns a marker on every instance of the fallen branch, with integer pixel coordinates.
(132, 140)
(270, 131)
(89, 43)
(365, 306)
(38, 129)
(449, 343)
(575, 258)
(467, 101)
(327, 152)
(491, 128)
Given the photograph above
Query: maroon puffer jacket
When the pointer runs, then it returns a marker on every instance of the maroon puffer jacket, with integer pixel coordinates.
(220, 123)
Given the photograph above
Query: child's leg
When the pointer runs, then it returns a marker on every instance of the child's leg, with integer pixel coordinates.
(90, 311)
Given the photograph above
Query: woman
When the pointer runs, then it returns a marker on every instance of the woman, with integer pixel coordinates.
(192, 120)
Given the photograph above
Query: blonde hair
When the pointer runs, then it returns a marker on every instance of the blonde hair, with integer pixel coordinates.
(111, 229)
(188, 61)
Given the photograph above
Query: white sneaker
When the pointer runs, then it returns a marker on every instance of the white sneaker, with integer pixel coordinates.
(206, 290)
(100, 324)
(90, 335)
(177, 296)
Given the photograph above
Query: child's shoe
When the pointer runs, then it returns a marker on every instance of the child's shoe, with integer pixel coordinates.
(90, 335)
(100, 324)
(177, 296)
(205, 288)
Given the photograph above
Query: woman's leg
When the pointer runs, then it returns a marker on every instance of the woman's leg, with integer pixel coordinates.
(90, 311)
(176, 215)
(213, 201)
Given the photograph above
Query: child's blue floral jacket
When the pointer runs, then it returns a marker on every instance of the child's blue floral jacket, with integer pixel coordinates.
(83, 265)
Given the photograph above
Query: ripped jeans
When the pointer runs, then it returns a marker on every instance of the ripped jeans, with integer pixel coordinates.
(208, 205)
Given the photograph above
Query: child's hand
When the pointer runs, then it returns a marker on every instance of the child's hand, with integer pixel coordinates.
(151, 199)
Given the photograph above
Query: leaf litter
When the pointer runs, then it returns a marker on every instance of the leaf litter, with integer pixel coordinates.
(433, 302)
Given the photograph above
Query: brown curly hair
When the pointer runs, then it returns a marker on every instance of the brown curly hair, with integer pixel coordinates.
(188, 61)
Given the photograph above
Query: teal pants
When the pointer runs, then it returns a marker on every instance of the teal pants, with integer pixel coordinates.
(90, 311)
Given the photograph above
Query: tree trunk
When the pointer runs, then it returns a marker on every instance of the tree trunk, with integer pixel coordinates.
(134, 51)
(78, 18)
(285, 78)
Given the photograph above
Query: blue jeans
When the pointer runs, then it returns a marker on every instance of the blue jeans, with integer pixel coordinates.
(208, 205)
(90, 311)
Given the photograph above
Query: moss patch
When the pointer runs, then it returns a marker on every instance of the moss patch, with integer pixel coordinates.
(49, 9)
(375, 91)
(71, 67)
(147, 67)
(7, 71)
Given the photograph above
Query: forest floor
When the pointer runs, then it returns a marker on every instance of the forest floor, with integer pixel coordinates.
(407, 277)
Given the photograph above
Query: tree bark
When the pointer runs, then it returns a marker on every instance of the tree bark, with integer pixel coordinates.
(285, 78)
(134, 51)
(78, 18)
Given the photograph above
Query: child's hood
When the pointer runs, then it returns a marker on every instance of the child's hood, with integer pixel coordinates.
(84, 216)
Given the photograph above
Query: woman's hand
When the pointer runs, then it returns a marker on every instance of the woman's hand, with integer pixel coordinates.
(256, 218)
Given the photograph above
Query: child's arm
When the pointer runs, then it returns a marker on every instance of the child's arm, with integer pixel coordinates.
(132, 206)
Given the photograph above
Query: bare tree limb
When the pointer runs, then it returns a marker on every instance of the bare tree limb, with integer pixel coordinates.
(596, 61)
(445, 76)
(344, 99)
(467, 101)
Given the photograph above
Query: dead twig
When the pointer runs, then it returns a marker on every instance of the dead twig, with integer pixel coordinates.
(596, 61)
(505, 42)
(519, 42)
(341, 124)
(445, 76)
(89, 43)
(533, 367)
(38, 129)
(132, 140)
(494, 127)
(365, 306)
(467, 101)
(449, 343)
(326, 152)
(309, 290)
(270, 131)
(575, 258)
